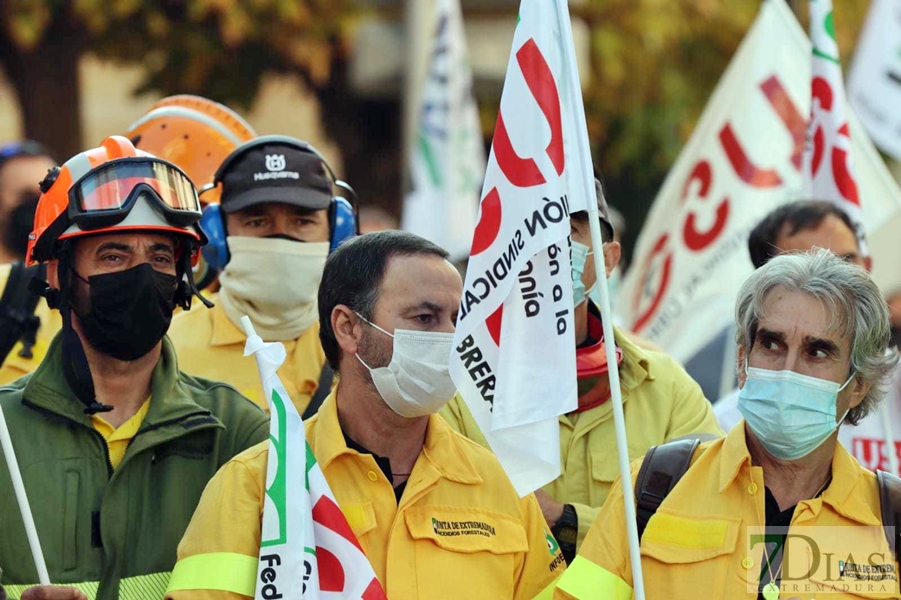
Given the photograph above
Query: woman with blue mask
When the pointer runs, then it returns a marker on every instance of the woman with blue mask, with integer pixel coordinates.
(812, 336)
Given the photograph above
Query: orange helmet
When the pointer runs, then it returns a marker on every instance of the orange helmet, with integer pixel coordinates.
(114, 187)
(192, 132)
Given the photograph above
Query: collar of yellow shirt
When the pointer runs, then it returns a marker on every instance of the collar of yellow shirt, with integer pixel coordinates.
(225, 332)
(846, 475)
(118, 438)
(442, 448)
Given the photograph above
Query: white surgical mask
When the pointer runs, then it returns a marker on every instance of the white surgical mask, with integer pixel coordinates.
(580, 254)
(275, 282)
(791, 414)
(417, 381)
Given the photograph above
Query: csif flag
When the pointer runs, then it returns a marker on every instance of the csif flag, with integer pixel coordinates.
(448, 161)
(828, 168)
(514, 359)
(307, 549)
(743, 160)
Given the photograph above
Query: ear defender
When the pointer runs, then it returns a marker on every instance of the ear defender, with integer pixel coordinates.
(342, 222)
(215, 252)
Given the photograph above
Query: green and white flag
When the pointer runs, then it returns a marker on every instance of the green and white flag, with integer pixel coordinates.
(448, 161)
(828, 165)
(307, 549)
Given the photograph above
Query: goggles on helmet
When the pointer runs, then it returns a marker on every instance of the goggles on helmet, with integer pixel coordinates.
(104, 197)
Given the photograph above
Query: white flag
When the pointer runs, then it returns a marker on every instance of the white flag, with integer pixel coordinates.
(307, 549)
(874, 82)
(828, 165)
(448, 161)
(743, 160)
(514, 360)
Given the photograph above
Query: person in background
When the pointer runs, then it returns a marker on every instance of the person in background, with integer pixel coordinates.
(114, 443)
(22, 167)
(26, 322)
(801, 226)
(812, 337)
(661, 402)
(196, 135)
(278, 218)
(375, 218)
(434, 513)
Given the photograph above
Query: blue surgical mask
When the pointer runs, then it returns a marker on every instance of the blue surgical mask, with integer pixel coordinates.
(791, 414)
(594, 294)
(580, 254)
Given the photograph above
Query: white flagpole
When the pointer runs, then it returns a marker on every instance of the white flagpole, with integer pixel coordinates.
(597, 242)
(890, 451)
(25, 508)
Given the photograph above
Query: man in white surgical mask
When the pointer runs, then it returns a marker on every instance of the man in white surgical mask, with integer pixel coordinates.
(280, 216)
(434, 513)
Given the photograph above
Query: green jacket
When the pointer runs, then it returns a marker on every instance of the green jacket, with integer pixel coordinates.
(114, 533)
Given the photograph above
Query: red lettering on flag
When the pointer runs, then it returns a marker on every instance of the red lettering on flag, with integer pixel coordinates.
(659, 247)
(489, 222)
(493, 322)
(694, 239)
(521, 172)
(374, 592)
(327, 514)
(540, 80)
(792, 119)
(744, 168)
(331, 573)
(841, 170)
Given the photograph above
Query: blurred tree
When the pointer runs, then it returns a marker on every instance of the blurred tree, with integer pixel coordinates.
(654, 65)
(216, 48)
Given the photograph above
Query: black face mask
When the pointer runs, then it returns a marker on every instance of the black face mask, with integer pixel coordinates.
(19, 224)
(130, 311)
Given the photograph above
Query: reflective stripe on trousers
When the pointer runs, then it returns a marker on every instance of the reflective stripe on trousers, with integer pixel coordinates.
(585, 580)
(221, 571)
(139, 587)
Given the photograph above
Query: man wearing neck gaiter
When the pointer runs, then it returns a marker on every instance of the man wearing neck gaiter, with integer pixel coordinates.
(273, 228)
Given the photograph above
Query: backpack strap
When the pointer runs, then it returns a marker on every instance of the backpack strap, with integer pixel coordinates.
(323, 389)
(662, 468)
(17, 305)
(890, 501)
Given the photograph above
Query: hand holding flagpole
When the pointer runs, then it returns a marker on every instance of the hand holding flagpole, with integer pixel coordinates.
(597, 242)
(22, 499)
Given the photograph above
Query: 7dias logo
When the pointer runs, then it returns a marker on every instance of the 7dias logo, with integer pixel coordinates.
(820, 560)
(275, 164)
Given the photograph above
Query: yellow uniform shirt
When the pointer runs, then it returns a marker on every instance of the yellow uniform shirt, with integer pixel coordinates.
(16, 366)
(209, 345)
(118, 438)
(509, 553)
(698, 543)
(661, 403)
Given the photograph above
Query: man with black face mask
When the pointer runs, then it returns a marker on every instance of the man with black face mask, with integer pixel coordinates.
(22, 166)
(278, 219)
(115, 444)
(23, 340)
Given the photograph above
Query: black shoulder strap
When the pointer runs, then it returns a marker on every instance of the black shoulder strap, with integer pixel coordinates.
(662, 468)
(17, 304)
(323, 389)
(890, 501)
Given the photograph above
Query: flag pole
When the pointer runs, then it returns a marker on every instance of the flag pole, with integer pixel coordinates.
(597, 242)
(22, 498)
(890, 451)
